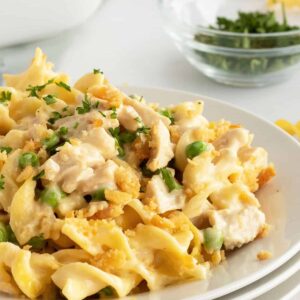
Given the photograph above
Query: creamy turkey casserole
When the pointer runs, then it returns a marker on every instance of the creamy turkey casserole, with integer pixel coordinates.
(103, 194)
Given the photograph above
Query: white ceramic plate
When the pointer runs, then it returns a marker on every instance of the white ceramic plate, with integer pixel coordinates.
(272, 284)
(279, 199)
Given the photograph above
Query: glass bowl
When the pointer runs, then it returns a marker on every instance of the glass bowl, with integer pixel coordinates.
(238, 59)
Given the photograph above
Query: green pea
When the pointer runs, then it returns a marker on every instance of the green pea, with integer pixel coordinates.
(99, 195)
(28, 159)
(5, 149)
(63, 131)
(195, 149)
(51, 196)
(3, 233)
(51, 141)
(213, 239)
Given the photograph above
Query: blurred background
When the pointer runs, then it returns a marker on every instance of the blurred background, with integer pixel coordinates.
(127, 40)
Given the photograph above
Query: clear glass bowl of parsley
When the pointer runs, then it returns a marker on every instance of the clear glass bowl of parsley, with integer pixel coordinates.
(241, 43)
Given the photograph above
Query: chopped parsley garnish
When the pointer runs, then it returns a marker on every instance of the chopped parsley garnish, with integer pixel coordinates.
(28, 159)
(2, 182)
(250, 23)
(113, 115)
(33, 90)
(55, 116)
(63, 85)
(115, 132)
(145, 171)
(127, 137)
(143, 129)
(138, 119)
(102, 114)
(97, 71)
(65, 108)
(169, 180)
(49, 99)
(3, 233)
(5, 149)
(167, 113)
(96, 104)
(6, 234)
(39, 175)
(119, 148)
(11, 235)
(76, 124)
(37, 242)
(86, 106)
(5, 96)
(136, 97)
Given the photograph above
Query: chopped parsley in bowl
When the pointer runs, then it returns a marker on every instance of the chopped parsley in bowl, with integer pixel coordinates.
(252, 48)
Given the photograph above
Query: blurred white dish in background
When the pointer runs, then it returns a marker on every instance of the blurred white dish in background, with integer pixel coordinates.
(24, 21)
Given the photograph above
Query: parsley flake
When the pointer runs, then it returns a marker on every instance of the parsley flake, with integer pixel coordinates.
(49, 99)
(5, 96)
(2, 182)
(143, 129)
(167, 113)
(96, 104)
(63, 85)
(33, 90)
(86, 106)
(113, 115)
(55, 116)
(97, 71)
(102, 114)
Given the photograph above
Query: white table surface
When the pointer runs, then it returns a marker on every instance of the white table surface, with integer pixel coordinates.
(126, 40)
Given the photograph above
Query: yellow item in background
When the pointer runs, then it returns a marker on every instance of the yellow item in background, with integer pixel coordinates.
(287, 3)
(292, 129)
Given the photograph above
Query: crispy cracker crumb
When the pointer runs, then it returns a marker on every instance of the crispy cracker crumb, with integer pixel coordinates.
(264, 255)
(265, 230)
(128, 181)
(117, 197)
(265, 175)
(216, 258)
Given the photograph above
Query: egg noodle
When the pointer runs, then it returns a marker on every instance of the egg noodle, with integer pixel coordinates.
(103, 194)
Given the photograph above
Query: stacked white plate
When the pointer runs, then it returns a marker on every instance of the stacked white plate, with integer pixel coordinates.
(242, 276)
